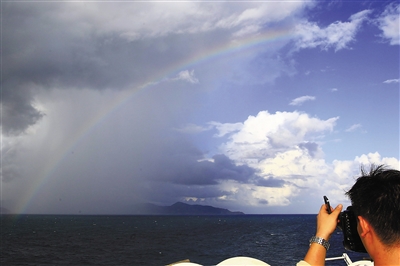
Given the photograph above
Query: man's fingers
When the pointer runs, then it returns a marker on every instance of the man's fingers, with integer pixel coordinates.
(338, 209)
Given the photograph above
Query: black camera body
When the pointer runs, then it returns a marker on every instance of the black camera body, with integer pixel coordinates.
(348, 224)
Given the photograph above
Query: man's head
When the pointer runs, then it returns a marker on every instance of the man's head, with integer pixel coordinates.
(376, 197)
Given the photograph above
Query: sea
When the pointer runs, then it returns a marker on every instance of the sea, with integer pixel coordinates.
(159, 240)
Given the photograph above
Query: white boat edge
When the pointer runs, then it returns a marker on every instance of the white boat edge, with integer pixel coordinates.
(241, 260)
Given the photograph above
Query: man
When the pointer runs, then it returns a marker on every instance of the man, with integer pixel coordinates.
(375, 198)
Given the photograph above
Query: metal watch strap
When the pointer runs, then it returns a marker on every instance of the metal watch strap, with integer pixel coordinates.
(321, 241)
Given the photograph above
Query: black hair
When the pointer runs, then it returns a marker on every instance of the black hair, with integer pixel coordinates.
(376, 197)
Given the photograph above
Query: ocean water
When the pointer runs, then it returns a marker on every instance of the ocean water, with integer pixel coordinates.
(158, 240)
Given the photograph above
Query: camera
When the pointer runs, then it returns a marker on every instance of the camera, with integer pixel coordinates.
(348, 224)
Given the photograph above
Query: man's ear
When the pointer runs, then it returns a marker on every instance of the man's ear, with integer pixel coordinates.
(364, 225)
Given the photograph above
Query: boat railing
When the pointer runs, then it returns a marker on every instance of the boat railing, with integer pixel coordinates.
(348, 261)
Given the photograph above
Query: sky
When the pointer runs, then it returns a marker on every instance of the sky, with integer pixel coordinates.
(255, 106)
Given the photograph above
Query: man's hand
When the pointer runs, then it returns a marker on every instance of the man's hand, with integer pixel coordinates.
(326, 223)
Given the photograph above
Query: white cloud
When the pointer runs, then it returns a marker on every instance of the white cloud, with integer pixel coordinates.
(353, 128)
(349, 169)
(391, 81)
(345, 171)
(376, 159)
(337, 35)
(143, 20)
(253, 18)
(334, 90)
(188, 76)
(266, 134)
(301, 100)
(283, 146)
(389, 23)
(280, 145)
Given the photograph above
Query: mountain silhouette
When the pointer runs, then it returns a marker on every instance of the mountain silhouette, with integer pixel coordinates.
(180, 208)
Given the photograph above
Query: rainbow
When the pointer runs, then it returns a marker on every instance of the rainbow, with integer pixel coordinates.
(229, 48)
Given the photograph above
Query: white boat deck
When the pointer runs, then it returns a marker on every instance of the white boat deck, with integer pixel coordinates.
(252, 261)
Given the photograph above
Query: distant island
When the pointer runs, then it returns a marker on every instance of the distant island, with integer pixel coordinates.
(180, 208)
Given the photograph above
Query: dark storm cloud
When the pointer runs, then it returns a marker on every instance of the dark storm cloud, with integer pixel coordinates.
(37, 54)
(40, 52)
(222, 168)
(17, 107)
(229, 170)
(187, 169)
(76, 45)
(19, 43)
(44, 47)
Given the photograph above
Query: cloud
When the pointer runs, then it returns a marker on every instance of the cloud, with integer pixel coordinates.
(85, 86)
(270, 182)
(353, 128)
(194, 17)
(284, 150)
(192, 129)
(270, 158)
(104, 46)
(67, 65)
(301, 100)
(187, 171)
(389, 81)
(337, 35)
(264, 135)
(389, 22)
(18, 109)
(226, 128)
(257, 16)
(376, 159)
(312, 148)
(187, 76)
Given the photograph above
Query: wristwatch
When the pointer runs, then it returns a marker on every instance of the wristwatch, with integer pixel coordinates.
(321, 241)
